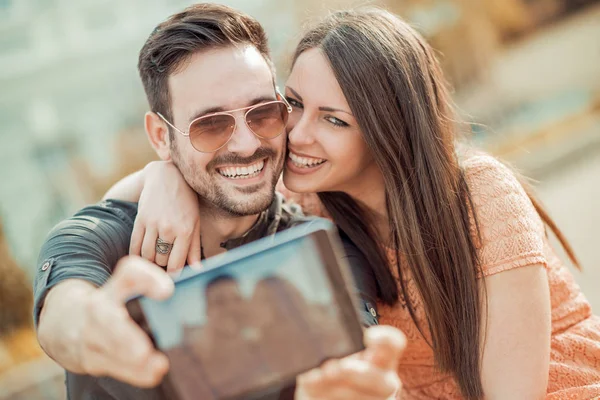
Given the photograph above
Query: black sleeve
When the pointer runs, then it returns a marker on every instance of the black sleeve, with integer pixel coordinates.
(364, 279)
(86, 246)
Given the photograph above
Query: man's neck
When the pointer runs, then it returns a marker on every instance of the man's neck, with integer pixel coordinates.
(218, 227)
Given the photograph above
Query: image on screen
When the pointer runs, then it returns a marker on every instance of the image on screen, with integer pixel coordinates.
(249, 325)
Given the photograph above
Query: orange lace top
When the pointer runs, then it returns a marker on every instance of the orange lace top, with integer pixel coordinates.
(512, 236)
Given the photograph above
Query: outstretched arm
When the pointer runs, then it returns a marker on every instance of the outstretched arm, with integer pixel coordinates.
(79, 311)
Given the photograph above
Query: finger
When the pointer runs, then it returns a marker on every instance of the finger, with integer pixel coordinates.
(195, 251)
(384, 346)
(313, 385)
(163, 259)
(136, 276)
(197, 266)
(175, 274)
(361, 376)
(178, 254)
(137, 237)
(149, 244)
(145, 375)
(111, 340)
(118, 336)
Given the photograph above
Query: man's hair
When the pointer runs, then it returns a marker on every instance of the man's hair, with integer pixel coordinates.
(199, 27)
(214, 282)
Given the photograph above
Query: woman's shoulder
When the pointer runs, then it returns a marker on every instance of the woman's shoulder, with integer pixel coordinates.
(488, 178)
(480, 165)
(510, 230)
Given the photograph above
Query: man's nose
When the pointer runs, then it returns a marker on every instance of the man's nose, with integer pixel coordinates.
(243, 142)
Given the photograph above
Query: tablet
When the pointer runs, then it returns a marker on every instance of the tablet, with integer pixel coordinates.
(256, 316)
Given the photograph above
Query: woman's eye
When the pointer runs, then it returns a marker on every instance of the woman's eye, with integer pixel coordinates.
(294, 103)
(336, 121)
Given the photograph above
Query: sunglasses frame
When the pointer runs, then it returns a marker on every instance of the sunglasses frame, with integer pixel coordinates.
(281, 100)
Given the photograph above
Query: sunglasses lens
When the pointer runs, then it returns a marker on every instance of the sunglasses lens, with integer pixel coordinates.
(210, 133)
(268, 121)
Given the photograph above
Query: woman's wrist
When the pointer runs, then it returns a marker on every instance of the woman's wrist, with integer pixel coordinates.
(155, 167)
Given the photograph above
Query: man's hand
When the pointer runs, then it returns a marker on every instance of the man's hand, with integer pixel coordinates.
(106, 341)
(369, 375)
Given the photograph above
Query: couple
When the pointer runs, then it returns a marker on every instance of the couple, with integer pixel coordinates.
(455, 240)
(260, 340)
(205, 61)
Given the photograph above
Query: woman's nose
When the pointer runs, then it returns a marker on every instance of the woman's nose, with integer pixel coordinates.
(299, 132)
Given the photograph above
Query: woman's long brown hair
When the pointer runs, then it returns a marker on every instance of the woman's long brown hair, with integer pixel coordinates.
(397, 93)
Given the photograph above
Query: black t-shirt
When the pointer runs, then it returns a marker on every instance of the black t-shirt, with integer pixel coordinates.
(88, 245)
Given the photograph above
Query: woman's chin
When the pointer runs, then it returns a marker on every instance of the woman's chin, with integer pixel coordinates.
(298, 183)
(305, 179)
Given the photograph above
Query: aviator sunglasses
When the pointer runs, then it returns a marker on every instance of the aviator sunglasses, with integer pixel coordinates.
(211, 132)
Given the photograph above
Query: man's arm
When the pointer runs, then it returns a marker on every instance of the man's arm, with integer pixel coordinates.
(85, 247)
(79, 311)
(61, 320)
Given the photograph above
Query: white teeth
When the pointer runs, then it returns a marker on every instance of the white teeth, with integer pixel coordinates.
(249, 171)
(305, 162)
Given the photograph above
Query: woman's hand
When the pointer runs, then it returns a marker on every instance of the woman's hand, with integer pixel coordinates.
(168, 209)
(368, 375)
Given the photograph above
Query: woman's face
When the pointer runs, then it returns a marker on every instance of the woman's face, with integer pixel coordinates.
(326, 148)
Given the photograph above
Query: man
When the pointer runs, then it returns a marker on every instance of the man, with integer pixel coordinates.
(217, 116)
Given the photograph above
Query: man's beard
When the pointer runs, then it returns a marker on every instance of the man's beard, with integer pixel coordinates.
(222, 198)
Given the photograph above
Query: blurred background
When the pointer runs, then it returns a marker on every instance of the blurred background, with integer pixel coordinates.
(525, 72)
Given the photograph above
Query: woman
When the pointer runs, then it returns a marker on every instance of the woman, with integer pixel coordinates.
(457, 242)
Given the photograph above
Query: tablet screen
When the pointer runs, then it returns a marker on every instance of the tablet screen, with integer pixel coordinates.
(251, 325)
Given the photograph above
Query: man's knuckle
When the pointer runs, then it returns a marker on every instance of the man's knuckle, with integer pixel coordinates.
(126, 273)
(138, 355)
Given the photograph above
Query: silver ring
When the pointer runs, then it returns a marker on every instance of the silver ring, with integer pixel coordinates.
(163, 247)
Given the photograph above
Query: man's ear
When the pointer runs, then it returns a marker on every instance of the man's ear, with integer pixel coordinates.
(158, 135)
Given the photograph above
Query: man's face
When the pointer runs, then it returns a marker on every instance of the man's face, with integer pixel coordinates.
(225, 307)
(221, 80)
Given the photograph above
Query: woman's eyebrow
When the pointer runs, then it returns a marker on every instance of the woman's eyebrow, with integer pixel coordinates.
(323, 108)
(330, 109)
(294, 93)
